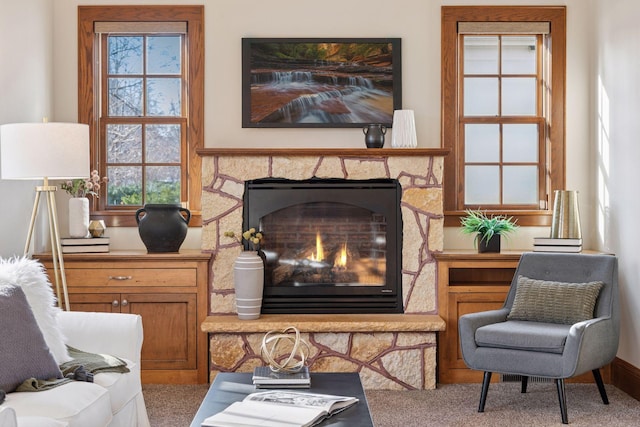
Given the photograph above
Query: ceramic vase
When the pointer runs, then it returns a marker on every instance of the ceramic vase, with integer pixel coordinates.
(248, 280)
(78, 217)
(162, 227)
(374, 135)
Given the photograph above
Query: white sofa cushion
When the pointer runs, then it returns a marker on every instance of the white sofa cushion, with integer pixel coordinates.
(122, 388)
(79, 404)
(40, 422)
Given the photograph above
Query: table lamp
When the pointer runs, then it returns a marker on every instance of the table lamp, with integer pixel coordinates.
(45, 151)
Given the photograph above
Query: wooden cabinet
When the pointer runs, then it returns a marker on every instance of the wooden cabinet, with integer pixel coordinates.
(169, 291)
(468, 282)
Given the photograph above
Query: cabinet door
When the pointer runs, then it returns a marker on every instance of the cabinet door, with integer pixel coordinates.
(452, 367)
(169, 323)
(102, 303)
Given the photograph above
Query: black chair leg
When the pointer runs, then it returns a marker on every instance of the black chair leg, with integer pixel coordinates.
(562, 398)
(600, 384)
(525, 381)
(485, 389)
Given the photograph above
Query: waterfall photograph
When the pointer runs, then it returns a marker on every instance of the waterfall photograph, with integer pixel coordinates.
(320, 82)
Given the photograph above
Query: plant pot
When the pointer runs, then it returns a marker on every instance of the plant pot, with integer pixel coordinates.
(162, 227)
(78, 217)
(248, 280)
(492, 245)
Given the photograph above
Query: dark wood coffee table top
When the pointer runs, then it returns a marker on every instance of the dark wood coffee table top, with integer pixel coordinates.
(229, 387)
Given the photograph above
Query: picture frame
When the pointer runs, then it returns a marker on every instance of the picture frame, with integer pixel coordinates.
(320, 82)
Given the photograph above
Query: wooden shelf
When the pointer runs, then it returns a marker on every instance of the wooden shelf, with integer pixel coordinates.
(342, 152)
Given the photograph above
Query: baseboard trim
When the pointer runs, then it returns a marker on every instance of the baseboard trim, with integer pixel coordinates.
(626, 377)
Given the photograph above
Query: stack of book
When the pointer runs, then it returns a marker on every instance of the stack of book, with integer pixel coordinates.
(264, 377)
(553, 244)
(84, 245)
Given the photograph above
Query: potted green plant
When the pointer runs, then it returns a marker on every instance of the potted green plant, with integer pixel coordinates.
(487, 229)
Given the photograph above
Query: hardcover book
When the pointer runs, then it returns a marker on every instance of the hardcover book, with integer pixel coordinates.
(82, 241)
(280, 408)
(264, 377)
(555, 241)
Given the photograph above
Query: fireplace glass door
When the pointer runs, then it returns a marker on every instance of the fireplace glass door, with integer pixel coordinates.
(325, 244)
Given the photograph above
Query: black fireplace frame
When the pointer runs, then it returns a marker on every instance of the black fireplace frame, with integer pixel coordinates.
(266, 195)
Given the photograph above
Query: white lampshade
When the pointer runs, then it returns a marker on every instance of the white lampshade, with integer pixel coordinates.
(44, 150)
(404, 129)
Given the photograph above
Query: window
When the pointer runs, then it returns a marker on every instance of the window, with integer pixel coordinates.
(503, 74)
(140, 90)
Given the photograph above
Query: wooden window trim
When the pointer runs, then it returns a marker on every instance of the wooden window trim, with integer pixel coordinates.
(87, 107)
(555, 175)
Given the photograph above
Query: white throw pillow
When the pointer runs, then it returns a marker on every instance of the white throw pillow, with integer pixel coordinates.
(30, 275)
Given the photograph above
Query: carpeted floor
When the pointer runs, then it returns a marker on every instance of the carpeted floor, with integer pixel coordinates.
(449, 405)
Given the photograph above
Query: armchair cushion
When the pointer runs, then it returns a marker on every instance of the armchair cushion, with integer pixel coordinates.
(554, 302)
(522, 335)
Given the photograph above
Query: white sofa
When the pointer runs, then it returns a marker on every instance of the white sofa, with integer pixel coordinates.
(113, 399)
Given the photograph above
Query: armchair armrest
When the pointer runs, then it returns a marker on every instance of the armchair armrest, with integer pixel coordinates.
(590, 345)
(469, 323)
(117, 334)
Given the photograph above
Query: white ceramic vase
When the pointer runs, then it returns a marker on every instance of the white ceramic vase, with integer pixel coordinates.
(79, 217)
(248, 279)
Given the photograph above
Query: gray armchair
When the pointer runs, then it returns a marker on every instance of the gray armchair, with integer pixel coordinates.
(534, 335)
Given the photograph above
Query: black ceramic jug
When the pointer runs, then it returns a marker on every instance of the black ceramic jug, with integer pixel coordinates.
(374, 135)
(162, 227)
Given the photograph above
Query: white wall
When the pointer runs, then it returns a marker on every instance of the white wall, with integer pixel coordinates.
(615, 171)
(614, 48)
(25, 96)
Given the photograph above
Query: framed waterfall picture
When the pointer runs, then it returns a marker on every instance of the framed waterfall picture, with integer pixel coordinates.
(320, 82)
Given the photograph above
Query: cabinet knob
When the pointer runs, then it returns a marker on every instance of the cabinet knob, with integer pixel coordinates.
(115, 303)
(120, 277)
(125, 303)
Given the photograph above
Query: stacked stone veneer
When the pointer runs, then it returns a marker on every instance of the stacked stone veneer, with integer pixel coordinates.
(387, 357)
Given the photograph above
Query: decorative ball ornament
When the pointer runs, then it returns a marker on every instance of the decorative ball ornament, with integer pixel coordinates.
(297, 357)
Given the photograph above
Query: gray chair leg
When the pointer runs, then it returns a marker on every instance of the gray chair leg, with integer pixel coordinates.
(485, 388)
(523, 387)
(562, 398)
(600, 384)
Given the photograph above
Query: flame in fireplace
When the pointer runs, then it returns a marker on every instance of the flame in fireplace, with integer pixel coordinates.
(319, 255)
(341, 259)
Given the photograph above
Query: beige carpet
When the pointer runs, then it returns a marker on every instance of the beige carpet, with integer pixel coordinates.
(449, 405)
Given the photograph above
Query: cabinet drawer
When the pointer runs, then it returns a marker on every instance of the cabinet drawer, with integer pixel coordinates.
(101, 277)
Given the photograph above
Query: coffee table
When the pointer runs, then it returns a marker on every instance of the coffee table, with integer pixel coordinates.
(229, 387)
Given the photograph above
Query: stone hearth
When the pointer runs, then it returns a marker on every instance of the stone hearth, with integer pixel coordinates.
(393, 352)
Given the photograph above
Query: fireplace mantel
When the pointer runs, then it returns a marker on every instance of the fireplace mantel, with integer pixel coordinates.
(322, 152)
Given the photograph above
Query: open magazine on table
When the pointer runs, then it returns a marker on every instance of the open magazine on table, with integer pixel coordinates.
(280, 408)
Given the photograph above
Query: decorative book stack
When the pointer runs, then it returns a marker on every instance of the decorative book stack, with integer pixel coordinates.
(72, 245)
(556, 244)
(264, 377)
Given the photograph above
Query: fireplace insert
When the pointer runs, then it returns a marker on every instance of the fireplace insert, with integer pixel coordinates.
(330, 245)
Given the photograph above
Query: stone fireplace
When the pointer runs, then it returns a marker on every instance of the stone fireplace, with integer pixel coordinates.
(390, 351)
